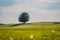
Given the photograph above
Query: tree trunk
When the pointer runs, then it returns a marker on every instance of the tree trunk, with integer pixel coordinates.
(23, 22)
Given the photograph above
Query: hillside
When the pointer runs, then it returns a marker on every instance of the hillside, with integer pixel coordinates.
(36, 25)
(30, 31)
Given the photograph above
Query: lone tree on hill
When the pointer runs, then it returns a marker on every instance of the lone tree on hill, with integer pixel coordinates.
(24, 17)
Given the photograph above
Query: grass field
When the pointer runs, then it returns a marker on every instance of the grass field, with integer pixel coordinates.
(30, 31)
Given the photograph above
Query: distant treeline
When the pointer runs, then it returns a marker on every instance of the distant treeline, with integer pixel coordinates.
(51, 22)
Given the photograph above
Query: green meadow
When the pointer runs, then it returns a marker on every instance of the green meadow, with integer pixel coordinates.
(30, 31)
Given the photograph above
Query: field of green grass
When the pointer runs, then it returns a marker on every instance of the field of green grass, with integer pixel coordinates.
(30, 31)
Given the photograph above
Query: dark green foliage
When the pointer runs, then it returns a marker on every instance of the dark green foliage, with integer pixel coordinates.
(15, 25)
(24, 17)
(1, 24)
(56, 22)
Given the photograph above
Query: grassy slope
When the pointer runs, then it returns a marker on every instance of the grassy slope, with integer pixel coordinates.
(38, 30)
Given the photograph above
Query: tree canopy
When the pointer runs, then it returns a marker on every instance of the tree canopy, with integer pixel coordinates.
(24, 17)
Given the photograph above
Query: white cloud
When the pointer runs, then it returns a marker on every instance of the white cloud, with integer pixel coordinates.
(34, 1)
(10, 14)
(41, 4)
(48, 0)
(53, 15)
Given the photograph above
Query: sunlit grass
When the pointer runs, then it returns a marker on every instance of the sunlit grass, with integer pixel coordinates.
(32, 31)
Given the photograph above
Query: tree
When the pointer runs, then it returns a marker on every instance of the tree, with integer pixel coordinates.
(24, 17)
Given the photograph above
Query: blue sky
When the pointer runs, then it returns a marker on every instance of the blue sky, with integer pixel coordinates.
(49, 5)
(6, 2)
(47, 10)
(41, 5)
